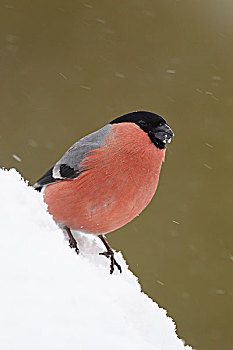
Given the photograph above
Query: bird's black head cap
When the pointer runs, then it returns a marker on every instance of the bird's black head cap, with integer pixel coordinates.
(153, 124)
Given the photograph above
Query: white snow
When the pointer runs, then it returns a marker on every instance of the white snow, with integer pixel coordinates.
(53, 299)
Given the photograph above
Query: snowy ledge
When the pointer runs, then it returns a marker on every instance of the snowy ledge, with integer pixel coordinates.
(52, 299)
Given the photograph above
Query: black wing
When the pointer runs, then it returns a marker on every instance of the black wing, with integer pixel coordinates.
(65, 172)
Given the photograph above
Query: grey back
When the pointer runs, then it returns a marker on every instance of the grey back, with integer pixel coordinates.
(69, 165)
(76, 153)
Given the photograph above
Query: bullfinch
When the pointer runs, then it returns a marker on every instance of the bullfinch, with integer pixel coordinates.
(107, 178)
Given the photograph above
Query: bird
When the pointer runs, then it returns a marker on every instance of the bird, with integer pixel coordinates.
(107, 178)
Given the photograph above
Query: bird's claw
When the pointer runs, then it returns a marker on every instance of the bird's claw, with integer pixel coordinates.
(110, 255)
(73, 245)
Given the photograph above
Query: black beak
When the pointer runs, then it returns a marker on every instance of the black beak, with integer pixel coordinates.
(163, 133)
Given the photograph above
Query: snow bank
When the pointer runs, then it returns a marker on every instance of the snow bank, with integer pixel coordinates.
(50, 298)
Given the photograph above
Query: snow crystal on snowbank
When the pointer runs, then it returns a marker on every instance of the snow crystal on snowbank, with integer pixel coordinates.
(52, 299)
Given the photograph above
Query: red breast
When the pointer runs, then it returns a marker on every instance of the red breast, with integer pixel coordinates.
(118, 182)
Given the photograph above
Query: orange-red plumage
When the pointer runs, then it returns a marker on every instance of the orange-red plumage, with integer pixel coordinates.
(118, 182)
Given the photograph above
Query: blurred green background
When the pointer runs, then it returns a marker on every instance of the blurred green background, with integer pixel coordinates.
(69, 67)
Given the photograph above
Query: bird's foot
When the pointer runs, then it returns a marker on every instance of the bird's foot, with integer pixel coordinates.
(73, 245)
(72, 241)
(110, 255)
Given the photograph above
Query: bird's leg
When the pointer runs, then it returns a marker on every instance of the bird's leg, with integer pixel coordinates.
(72, 241)
(109, 254)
